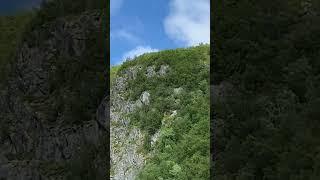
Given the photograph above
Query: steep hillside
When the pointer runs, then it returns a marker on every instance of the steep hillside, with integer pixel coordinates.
(53, 99)
(160, 116)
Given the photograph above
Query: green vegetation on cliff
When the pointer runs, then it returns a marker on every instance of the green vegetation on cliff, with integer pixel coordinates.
(178, 111)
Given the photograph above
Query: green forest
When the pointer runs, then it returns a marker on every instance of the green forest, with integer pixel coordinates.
(182, 152)
(266, 126)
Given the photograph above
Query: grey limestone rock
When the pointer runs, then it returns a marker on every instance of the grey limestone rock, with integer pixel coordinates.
(150, 71)
(145, 97)
(163, 70)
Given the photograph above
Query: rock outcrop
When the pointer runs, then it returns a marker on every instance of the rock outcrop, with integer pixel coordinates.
(127, 140)
(159, 125)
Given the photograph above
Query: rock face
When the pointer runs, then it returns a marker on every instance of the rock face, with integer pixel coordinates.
(35, 129)
(151, 72)
(163, 70)
(145, 98)
(127, 141)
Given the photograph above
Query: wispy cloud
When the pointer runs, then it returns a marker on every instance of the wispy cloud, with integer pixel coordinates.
(123, 34)
(139, 50)
(188, 21)
(115, 6)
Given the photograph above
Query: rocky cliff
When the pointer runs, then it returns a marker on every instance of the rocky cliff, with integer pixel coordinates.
(126, 141)
(159, 126)
(54, 105)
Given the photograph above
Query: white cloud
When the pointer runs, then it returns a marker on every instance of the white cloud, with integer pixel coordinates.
(188, 21)
(139, 50)
(123, 34)
(115, 6)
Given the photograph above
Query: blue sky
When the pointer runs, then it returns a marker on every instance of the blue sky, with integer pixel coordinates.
(141, 26)
(8, 7)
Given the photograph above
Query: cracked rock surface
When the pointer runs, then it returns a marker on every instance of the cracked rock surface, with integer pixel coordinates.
(127, 141)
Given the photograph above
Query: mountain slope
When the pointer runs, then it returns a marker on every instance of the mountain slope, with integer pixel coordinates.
(160, 116)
